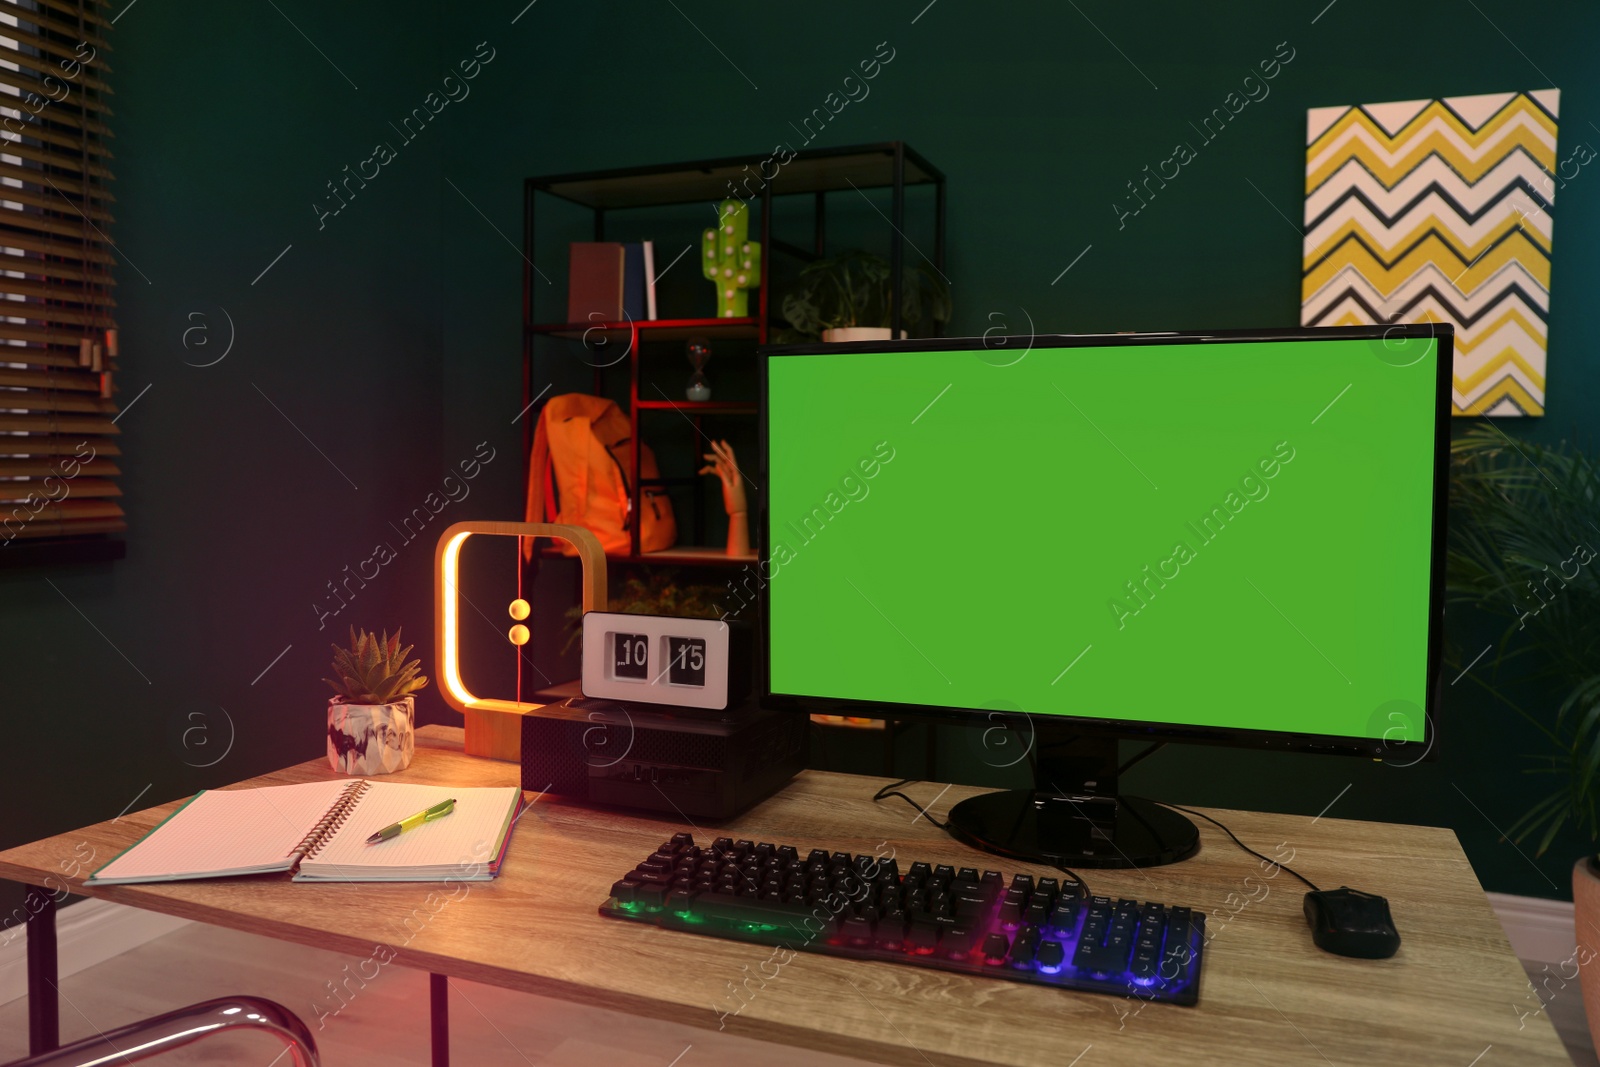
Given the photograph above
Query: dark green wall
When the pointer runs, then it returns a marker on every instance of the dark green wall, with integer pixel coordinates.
(1039, 122)
(134, 675)
(390, 336)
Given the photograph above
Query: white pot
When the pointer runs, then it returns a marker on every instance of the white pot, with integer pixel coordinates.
(371, 738)
(859, 333)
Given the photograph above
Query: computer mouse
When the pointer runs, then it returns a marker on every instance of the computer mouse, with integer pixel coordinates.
(1348, 922)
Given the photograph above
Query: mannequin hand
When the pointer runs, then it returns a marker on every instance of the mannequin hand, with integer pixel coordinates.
(721, 462)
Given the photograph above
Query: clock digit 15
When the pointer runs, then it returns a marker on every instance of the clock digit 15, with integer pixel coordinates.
(630, 656)
(686, 661)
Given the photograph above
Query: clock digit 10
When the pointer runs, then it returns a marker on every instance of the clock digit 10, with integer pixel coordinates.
(686, 661)
(630, 656)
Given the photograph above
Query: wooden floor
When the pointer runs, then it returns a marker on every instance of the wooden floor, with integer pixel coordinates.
(1565, 1010)
(384, 1023)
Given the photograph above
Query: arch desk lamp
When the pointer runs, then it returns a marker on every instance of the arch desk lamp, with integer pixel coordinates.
(493, 725)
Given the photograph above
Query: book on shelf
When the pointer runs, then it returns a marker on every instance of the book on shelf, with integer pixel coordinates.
(595, 281)
(611, 282)
(633, 282)
(650, 280)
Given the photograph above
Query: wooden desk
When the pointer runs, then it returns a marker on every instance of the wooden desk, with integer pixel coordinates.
(1268, 996)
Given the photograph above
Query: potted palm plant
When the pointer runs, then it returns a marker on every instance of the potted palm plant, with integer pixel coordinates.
(849, 297)
(1524, 547)
(372, 719)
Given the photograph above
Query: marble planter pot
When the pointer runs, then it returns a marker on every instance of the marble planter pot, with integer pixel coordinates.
(371, 738)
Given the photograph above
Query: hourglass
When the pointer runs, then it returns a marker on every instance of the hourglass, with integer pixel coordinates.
(699, 351)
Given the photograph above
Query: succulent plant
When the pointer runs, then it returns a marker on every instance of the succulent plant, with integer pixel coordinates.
(374, 670)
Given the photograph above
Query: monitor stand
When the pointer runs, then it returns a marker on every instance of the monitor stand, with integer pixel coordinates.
(1073, 817)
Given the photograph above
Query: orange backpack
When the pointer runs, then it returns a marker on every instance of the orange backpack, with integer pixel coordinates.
(579, 474)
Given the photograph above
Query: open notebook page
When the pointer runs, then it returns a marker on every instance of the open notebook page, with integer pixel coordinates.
(227, 831)
(452, 845)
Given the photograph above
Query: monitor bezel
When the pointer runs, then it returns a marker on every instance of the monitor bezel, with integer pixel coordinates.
(1444, 333)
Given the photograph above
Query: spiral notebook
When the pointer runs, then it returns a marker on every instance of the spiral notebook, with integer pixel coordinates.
(320, 830)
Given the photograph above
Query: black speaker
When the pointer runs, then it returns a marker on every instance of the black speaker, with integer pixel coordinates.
(684, 762)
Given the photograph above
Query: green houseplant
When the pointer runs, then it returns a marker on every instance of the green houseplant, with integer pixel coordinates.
(654, 591)
(372, 717)
(854, 290)
(1523, 545)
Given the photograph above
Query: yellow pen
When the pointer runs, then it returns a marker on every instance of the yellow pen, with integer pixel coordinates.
(411, 822)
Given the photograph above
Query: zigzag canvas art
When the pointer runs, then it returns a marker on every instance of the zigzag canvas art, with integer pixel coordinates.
(1439, 211)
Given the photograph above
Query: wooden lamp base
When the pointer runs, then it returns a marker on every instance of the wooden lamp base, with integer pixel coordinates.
(495, 734)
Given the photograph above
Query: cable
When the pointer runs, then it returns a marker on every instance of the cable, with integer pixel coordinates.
(1157, 746)
(1083, 887)
(1151, 751)
(893, 790)
(1241, 844)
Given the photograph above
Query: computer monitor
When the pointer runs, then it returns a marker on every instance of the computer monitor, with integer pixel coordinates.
(1231, 537)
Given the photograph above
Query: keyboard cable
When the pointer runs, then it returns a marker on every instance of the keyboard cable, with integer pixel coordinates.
(893, 790)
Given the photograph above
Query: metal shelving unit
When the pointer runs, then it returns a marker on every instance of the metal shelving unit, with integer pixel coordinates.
(814, 172)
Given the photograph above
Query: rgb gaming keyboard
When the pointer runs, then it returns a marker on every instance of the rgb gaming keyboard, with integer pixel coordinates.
(865, 907)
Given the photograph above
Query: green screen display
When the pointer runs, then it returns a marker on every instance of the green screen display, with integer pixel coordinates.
(1222, 535)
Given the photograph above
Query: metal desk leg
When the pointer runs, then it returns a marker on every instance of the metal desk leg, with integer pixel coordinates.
(44, 1005)
(439, 1009)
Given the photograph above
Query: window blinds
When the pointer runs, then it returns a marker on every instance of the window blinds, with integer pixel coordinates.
(58, 338)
